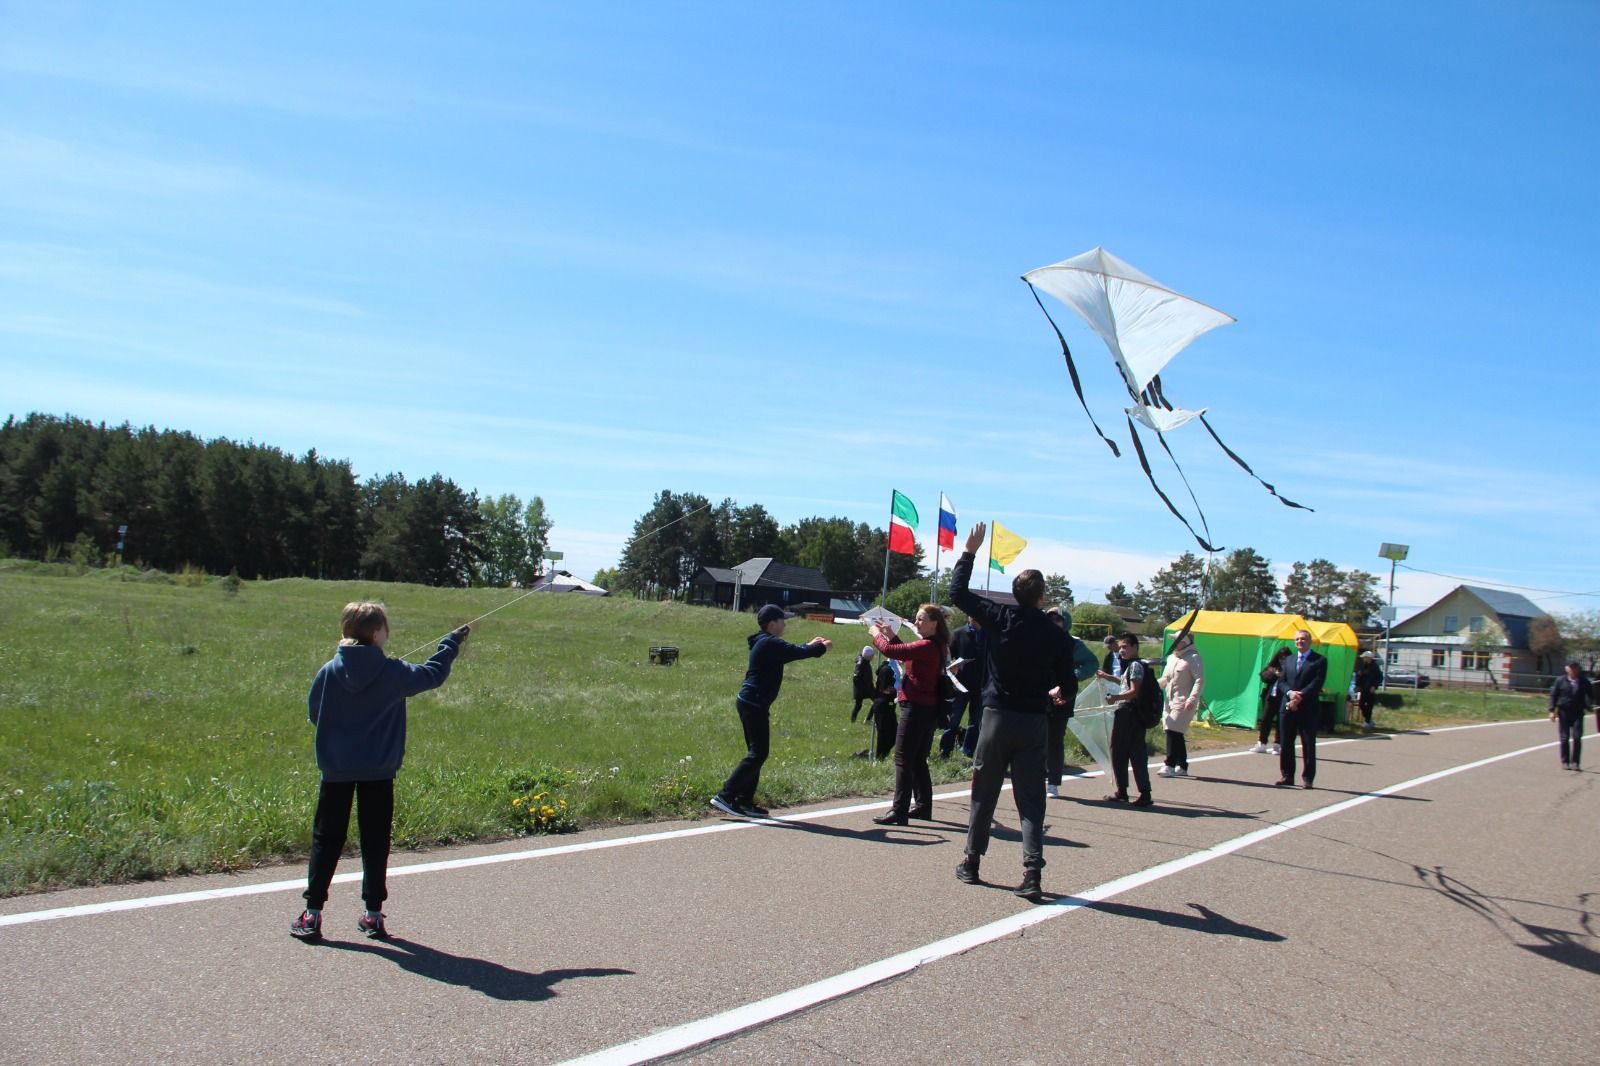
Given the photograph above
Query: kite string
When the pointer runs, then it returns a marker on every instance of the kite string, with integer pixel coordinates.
(547, 584)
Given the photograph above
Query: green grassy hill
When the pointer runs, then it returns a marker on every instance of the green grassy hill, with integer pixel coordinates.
(151, 726)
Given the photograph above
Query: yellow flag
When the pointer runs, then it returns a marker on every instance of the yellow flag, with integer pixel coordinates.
(1004, 546)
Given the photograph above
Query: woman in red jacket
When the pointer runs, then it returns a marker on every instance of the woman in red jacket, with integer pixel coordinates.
(919, 709)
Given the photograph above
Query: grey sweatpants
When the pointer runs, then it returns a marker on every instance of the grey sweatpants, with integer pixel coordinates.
(1009, 741)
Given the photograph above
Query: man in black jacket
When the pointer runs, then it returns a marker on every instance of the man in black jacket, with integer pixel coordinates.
(1303, 676)
(1138, 708)
(966, 644)
(762, 678)
(1027, 657)
(1569, 698)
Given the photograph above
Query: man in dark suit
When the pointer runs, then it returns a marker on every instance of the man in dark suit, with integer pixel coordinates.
(1303, 676)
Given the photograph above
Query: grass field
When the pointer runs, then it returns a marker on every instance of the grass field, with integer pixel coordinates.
(152, 726)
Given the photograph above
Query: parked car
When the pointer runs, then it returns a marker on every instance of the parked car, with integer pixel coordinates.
(1408, 679)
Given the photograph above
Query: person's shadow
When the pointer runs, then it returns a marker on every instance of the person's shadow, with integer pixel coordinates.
(490, 978)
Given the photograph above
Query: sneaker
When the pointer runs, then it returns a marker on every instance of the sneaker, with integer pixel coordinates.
(307, 927)
(1116, 797)
(1144, 800)
(1030, 888)
(1167, 771)
(372, 927)
(1261, 749)
(1366, 727)
(1179, 771)
(752, 811)
(1277, 749)
(1052, 791)
(967, 872)
(727, 806)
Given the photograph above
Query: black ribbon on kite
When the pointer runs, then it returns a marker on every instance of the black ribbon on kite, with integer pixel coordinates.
(1268, 485)
(1138, 446)
(1077, 386)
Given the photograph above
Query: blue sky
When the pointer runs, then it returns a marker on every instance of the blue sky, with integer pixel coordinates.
(771, 252)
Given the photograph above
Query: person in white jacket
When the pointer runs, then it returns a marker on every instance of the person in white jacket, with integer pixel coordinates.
(1183, 679)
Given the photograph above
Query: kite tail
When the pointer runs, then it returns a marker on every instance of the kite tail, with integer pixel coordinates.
(1162, 437)
(1072, 369)
(1268, 485)
(1138, 446)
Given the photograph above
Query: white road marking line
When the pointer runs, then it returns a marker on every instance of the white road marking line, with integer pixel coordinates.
(694, 1034)
(232, 891)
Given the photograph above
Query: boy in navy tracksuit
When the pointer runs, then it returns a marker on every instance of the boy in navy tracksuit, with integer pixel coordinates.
(762, 678)
(358, 705)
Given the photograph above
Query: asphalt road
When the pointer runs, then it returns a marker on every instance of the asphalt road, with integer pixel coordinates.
(1451, 919)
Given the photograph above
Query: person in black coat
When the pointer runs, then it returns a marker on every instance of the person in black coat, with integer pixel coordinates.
(861, 680)
(1304, 674)
(966, 643)
(1569, 698)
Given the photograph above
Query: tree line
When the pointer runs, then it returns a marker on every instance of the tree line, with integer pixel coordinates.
(683, 531)
(1243, 581)
(68, 487)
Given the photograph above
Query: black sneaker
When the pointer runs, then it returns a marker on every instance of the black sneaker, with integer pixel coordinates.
(727, 806)
(752, 811)
(967, 872)
(1030, 889)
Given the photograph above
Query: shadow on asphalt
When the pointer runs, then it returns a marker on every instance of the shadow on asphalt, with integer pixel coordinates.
(1557, 945)
(481, 975)
(865, 832)
(1205, 920)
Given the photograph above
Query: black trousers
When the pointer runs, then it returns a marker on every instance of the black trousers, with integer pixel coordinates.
(1302, 724)
(330, 827)
(1570, 734)
(959, 705)
(913, 784)
(1009, 741)
(741, 784)
(1365, 698)
(884, 727)
(1128, 745)
(1267, 719)
(1177, 749)
(1055, 743)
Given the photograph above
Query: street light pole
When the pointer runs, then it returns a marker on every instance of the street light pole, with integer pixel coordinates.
(1394, 553)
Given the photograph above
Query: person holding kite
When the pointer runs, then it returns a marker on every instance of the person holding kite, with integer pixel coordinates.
(1138, 708)
(924, 661)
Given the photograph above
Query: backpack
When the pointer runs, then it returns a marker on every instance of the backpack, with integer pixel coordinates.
(1147, 704)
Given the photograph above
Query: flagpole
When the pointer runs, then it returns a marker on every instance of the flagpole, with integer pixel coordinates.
(989, 571)
(884, 598)
(938, 537)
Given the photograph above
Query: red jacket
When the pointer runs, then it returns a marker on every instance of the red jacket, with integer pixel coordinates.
(924, 663)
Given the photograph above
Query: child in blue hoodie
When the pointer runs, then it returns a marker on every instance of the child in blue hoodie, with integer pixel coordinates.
(358, 705)
(762, 678)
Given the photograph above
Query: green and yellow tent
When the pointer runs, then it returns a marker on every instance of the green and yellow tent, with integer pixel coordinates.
(1236, 645)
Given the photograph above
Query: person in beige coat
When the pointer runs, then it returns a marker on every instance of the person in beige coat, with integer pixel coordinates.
(1183, 679)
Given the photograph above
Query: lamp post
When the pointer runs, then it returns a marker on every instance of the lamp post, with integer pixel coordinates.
(1394, 553)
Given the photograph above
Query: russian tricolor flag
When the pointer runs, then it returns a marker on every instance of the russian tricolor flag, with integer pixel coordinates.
(947, 523)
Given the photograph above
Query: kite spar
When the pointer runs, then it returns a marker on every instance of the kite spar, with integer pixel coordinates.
(1144, 324)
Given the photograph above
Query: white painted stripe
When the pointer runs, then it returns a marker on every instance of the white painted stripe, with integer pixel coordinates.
(232, 891)
(694, 1034)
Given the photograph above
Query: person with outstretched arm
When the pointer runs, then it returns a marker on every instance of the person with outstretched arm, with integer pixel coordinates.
(1029, 664)
(762, 678)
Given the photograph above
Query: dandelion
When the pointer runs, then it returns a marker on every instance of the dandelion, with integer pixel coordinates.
(18, 792)
(615, 770)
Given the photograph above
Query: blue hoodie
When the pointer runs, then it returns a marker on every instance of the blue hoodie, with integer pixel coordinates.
(764, 675)
(358, 704)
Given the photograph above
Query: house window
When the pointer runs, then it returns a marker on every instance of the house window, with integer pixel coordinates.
(1438, 658)
(1474, 660)
(1394, 657)
(1475, 623)
(1452, 624)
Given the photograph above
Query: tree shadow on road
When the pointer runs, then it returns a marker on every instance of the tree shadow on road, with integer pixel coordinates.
(1205, 920)
(481, 975)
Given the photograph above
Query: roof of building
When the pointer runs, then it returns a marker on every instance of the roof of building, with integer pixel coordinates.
(764, 571)
(1505, 604)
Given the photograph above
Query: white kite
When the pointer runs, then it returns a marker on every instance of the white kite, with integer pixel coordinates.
(1144, 324)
